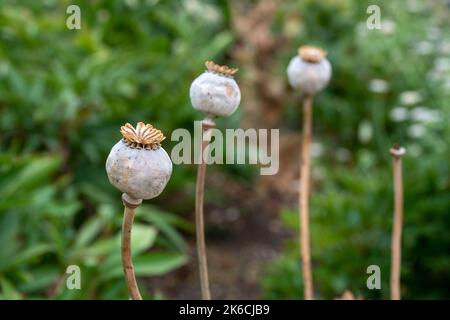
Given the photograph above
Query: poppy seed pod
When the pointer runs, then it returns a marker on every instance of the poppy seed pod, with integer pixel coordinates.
(215, 92)
(309, 71)
(397, 150)
(137, 165)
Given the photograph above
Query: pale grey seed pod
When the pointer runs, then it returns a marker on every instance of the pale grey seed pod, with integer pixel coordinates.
(137, 165)
(309, 71)
(397, 150)
(215, 92)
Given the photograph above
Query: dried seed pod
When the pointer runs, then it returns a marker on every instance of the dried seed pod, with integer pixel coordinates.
(137, 165)
(397, 150)
(309, 71)
(215, 92)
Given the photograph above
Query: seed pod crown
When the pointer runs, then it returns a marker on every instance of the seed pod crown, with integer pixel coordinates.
(397, 150)
(144, 136)
(221, 70)
(311, 54)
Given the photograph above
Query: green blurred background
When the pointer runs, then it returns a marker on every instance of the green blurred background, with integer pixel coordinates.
(65, 93)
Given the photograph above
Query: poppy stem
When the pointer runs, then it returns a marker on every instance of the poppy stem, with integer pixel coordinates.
(207, 124)
(304, 198)
(127, 264)
(397, 152)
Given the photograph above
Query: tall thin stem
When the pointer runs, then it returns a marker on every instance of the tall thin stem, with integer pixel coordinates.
(304, 198)
(397, 225)
(127, 263)
(199, 221)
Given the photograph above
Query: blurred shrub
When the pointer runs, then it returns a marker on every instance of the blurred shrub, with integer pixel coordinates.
(351, 219)
(41, 237)
(389, 85)
(63, 96)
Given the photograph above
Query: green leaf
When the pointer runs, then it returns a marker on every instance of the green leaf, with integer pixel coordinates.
(161, 221)
(9, 228)
(217, 45)
(158, 263)
(8, 290)
(150, 264)
(142, 238)
(88, 232)
(32, 175)
(41, 278)
(29, 254)
(96, 251)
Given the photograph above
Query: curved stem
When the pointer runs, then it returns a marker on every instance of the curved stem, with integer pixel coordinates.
(127, 263)
(397, 229)
(199, 222)
(304, 198)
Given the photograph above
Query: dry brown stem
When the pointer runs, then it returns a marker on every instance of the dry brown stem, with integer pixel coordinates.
(304, 198)
(127, 263)
(397, 153)
(199, 217)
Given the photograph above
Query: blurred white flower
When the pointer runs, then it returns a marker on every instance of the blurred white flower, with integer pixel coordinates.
(414, 6)
(132, 3)
(151, 2)
(365, 131)
(103, 15)
(399, 114)
(202, 10)
(440, 70)
(291, 27)
(409, 98)
(446, 84)
(343, 155)
(388, 26)
(192, 5)
(318, 173)
(424, 114)
(442, 64)
(433, 33)
(414, 150)
(416, 131)
(211, 14)
(316, 149)
(444, 46)
(4, 68)
(378, 86)
(432, 75)
(361, 29)
(423, 47)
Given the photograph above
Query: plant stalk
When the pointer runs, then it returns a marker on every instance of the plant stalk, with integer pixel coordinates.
(397, 227)
(304, 198)
(207, 124)
(127, 264)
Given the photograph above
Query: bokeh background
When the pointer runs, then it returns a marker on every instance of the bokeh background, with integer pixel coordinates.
(65, 93)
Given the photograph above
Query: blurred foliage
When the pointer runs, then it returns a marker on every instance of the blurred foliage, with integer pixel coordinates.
(389, 85)
(63, 96)
(42, 237)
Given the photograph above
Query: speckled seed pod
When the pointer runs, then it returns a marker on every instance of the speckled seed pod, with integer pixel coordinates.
(215, 92)
(309, 71)
(137, 165)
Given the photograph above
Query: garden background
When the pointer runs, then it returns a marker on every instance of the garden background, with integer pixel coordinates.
(65, 93)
